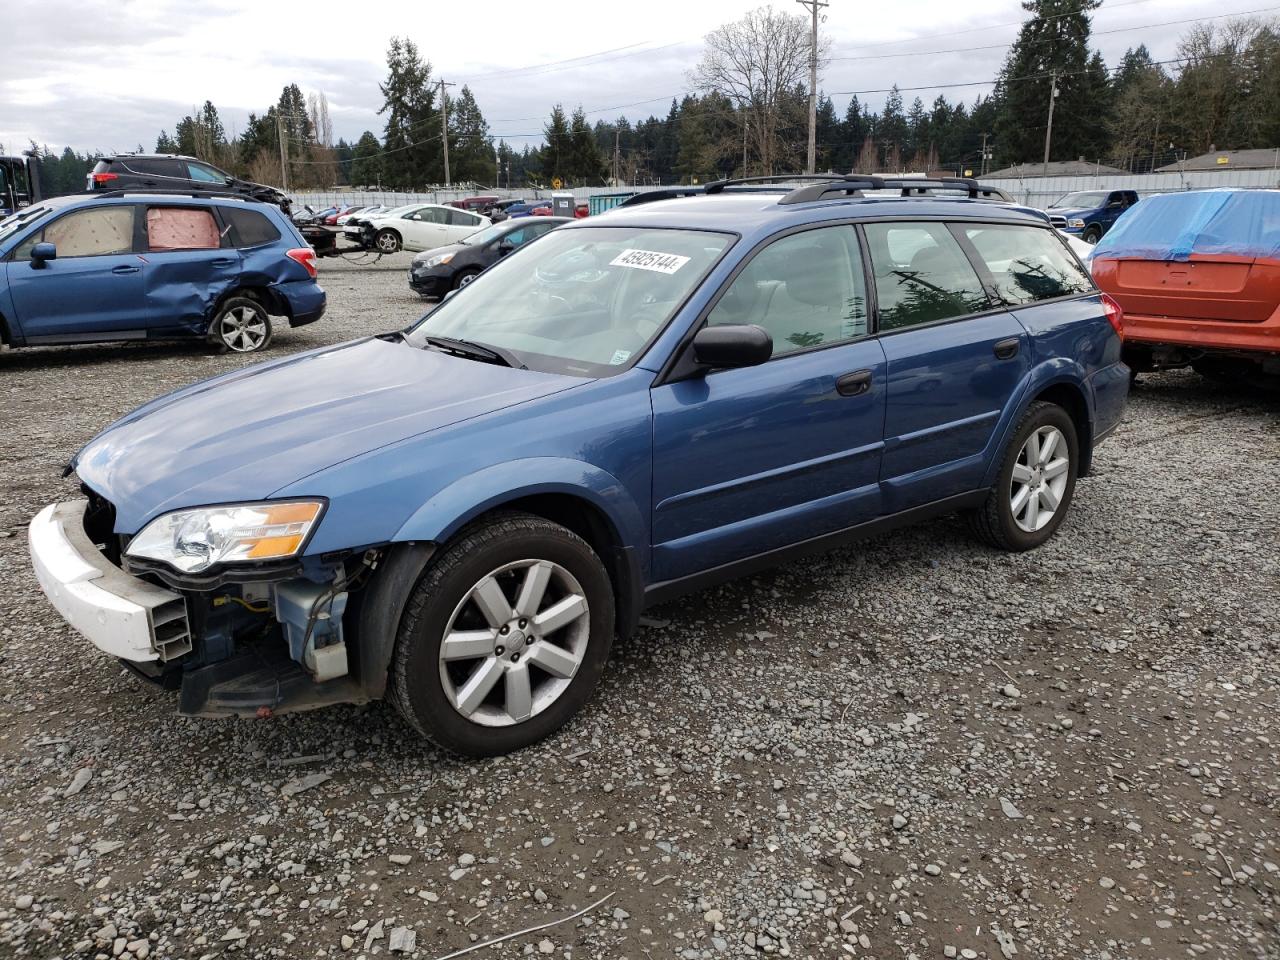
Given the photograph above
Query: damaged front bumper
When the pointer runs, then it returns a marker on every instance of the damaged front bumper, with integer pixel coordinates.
(252, 648)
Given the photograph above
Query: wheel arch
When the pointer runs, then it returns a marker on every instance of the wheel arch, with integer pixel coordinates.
(272, 302)
(1070, 396)
(1061, 382)
(594, 507)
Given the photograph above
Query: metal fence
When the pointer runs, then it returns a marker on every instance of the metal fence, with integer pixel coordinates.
(1032, 191)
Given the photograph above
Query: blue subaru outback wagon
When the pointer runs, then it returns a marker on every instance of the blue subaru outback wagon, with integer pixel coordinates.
(126, 266)
(461, 516)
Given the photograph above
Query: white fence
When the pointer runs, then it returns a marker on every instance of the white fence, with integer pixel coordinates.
(1032, 191)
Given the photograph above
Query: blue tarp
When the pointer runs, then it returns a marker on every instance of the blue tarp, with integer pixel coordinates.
(1172, 226)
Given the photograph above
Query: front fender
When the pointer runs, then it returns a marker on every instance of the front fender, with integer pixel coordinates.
(468, 497)
(1049, 373)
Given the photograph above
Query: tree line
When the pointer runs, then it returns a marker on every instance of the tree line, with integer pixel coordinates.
(747, 114)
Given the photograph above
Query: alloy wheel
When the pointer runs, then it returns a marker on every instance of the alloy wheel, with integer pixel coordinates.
(514, 643)
(1039, 479)
(242, 329)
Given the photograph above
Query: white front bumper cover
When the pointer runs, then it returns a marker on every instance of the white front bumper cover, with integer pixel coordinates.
(118, 613)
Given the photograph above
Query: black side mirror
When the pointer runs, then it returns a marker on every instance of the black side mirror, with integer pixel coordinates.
(41, 253)
(505, 246)
(732, 345)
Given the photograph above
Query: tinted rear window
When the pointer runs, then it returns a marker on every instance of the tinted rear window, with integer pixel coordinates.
(162, 168)
(1028, 263)
(249, 228)
(921, 275)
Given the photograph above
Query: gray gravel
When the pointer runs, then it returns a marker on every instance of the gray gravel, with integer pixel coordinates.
(916, 748)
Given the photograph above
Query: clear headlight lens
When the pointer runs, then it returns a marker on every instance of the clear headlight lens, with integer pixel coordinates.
(194, 540)
(437, 261)
(1075, 222)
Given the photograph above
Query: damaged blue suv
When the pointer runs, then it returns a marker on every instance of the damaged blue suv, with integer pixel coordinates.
(461, 516)
(142, 266)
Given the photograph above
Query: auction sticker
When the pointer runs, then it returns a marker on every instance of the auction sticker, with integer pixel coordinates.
(649, 260)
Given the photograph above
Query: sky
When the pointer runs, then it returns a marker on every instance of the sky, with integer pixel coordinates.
(103, 75)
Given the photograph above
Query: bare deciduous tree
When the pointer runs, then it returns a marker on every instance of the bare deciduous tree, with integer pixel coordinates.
(757, 63)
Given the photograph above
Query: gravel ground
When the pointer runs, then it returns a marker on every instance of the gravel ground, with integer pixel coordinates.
(915, 748)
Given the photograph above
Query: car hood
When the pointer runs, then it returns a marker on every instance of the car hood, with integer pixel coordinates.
(1070, 211)
(247, 434)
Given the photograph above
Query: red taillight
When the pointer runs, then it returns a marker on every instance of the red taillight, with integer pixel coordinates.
(305, 256)
(1115, 314)
(99, 179)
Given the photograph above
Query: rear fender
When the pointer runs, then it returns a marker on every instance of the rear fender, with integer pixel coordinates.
(1050, 373)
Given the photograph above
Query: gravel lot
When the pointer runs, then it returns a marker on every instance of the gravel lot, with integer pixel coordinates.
(915, 748)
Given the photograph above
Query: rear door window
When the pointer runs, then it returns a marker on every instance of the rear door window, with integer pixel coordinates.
(181, 228)
(153, 168)
(1027, 263)
(248, 228)
(921, 275)
(459, 218)
(97, 232)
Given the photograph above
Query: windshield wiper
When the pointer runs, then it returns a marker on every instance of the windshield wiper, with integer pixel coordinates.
(476, 351)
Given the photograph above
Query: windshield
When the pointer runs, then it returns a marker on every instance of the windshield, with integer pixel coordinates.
(582, 301)
(481, 237)
(1087, 198)
(12, 224)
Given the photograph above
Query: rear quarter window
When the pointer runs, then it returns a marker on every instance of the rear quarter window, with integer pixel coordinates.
(249, 228)
(1028, 264)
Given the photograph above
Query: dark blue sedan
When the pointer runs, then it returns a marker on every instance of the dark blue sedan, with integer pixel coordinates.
(461, 516)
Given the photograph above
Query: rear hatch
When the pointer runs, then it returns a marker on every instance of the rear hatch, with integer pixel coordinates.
(1206, 287)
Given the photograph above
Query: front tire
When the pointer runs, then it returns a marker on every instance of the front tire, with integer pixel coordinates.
(387, 242)
(504, 638)
(240, 326)
(1036, 482)
(464, 278)
(1092, 235)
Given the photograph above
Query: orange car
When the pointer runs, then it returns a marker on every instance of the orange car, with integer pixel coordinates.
(1198, 277)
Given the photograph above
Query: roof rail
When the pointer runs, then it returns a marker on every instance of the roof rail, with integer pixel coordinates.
(667, 193)
(717, 186)
(162, 192)
(909, 186)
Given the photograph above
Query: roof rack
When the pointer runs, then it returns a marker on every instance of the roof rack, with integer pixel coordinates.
(909, 187)
(668, 193)
(717, 186)
(163, 192)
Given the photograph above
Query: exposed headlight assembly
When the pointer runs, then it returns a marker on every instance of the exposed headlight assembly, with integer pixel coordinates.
(192, 541)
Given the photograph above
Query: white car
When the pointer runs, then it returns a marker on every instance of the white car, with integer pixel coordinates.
(422, 226)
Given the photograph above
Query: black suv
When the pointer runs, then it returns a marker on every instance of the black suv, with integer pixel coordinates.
(167, 171)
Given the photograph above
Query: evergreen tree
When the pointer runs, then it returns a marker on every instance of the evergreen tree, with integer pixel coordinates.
(828, 136)
(558, 153)
(891, 130)
(1054, 42)
(471, 156)
(366, 161)
(586, 166)
(410, 151)
(165, 143)
(342, 153)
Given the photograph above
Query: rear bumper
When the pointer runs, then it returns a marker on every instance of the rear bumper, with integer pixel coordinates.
(1216, 335)
(119, 614)
(307, 301)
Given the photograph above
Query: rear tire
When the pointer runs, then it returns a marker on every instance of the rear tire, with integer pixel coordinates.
(1034, 488)
(241, 325)
(504, 638)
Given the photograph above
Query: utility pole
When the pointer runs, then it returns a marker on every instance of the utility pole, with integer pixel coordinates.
(616, 155)
(1048, 132)
(813, 6)
(982, 168)
(284, 153)
(444, 126)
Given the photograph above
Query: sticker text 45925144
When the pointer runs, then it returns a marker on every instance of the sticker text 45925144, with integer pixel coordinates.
(649, 260)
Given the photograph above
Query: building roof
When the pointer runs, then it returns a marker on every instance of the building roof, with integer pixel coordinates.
(1056, 168)
(1267, 158)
